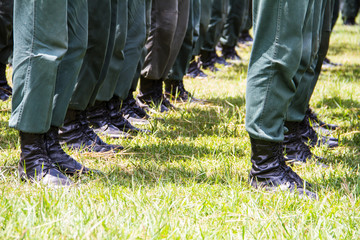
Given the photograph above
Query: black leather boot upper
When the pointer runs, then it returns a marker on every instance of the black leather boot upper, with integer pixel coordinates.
(229, 53)
(130, 109)
(58, 157)
(309, 135)
(151, 95)
(77, 134)
(118, 120)
(314, 118)
(295, 149)
(208, 60)
(5, 89)
(35, 164)
(194, 70)
(269, 169)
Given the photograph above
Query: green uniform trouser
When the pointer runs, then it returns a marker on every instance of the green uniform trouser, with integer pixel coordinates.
(247, 16)
(280, 44)
(350, 8)
(102, 23)
(216, 25)
(234, 22)
(50, 39)
(321, 36)
(205, 16)
(136, 77)
(169, 19)
(336, 11)
(135, 43)
(182, 62)
(106, 91)
(6, 26)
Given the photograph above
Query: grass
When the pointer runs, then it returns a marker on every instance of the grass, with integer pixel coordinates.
(188, 179)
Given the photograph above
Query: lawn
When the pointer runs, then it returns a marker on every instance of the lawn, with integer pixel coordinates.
(188, 179)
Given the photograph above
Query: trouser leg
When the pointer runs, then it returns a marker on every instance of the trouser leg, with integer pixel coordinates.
(101, 18)
(135, 42)
(350, 9)
(275, 60)
(70, 65)
(6, 29)
(38, 49)
(217, 21)
(118, 58)
(321, 33)
(181, 64)
(234, 19)
(204, 24)
(164, 17)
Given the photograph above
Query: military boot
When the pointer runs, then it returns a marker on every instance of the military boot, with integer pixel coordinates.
(77, 134)
(208, 61)
(132, 112)
(99, 119)
(296, 151)
(311, 137)
(314, 118)
(35, 164)
(175, 90)
(59, 158)
(117, 119)
(5, 89)
(151, 96)
(194, 70)
(229, 53)
(269, 170)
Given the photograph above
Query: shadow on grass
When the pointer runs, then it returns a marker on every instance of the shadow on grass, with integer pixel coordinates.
(348, 72)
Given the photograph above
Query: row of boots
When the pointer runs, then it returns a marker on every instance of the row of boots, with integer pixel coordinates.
(42, 158)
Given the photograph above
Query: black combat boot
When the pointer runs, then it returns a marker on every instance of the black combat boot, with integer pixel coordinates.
(314, 118)
(77, 134)
(5, 89)
(175, 90)
(151, 96)
(99, 119)
(132, 112)
(296, 151)
(194, 70)
(117, 119)
(59, 158)
(208, 60)
(245, 37)
(349, 21)
(35, 164)
(229, 53)
(270, 171)
(311, 137)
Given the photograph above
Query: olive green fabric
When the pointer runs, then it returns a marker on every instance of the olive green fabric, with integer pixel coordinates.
(336, 11)
(135, 43)
(321, 34)
(247, 16)
(280, 44)
(182, 62)
(102, 22)
(350, 8)
(169, 19)
(205, 16)
(45, 33)
(6, 25)
(113, 74)
(235, 18)
(219, 12)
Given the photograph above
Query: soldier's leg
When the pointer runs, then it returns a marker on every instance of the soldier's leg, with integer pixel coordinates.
(174, 86)
(40, 42)
(76, 132)
(231, 30)
(164, 21)
(212, 37)
(6, 45)
(245, 36)
(275, 60)
(349, 11)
